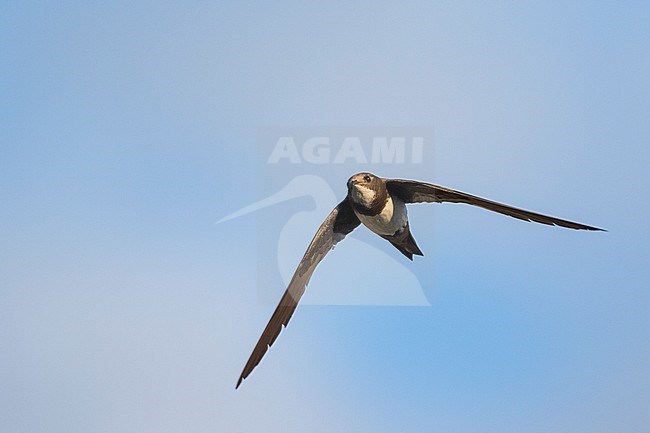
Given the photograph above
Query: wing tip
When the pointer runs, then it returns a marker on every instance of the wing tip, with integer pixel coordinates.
(583, 227)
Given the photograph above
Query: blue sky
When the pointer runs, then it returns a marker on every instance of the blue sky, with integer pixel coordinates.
(128, 129)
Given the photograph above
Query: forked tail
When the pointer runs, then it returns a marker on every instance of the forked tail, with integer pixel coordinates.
(404, 242)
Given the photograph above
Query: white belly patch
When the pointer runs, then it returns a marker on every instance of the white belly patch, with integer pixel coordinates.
(391, 219)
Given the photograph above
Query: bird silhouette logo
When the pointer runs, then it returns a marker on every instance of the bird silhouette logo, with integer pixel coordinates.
(397, 286)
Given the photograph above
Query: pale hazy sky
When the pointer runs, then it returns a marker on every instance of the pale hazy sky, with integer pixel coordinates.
(129, 128)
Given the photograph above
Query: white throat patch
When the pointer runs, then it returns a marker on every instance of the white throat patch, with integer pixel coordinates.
(363, 195)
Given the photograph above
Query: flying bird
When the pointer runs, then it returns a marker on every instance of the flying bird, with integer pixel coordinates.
(380, 205)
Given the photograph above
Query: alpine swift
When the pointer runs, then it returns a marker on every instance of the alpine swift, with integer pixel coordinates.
(380, 205)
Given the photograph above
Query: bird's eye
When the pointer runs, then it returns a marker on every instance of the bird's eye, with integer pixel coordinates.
(366, 178)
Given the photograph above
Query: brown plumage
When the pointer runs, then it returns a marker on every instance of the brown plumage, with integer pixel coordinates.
(412, 191)
(380, 205)
(403, 240)
(338, 223)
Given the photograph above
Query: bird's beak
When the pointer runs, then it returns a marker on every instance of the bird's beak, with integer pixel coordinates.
(352, 182)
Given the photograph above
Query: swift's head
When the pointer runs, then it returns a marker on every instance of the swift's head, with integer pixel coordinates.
(365, 189)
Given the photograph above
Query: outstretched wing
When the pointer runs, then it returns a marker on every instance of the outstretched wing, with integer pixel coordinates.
(411, 191)
(341, 221)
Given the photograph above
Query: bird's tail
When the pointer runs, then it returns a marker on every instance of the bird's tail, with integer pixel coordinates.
(404, 242)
